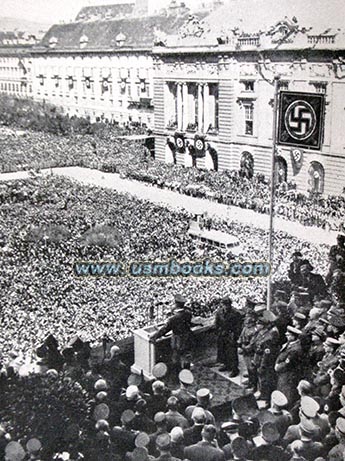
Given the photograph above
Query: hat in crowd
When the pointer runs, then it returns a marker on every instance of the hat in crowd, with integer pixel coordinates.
(332, 342)
(114, 350)
(132, 392)
(186, 377)
(259, 308)
(226, 300)
(300, 316)
(102, 395)
(280, 305)
(102, 425)
(160, 417)
(230, 426)
(340, 426)
(33, 446)
(309, 406)
(176, 434)
(52, 373)
(127, 416)
(159, 370)
(101, 385)
(270, 432)
(204, 394)
(179, 299)
(198, 415)
(134, 379)
(245, 405)
(324, 304)
(163, 442)
(101, 411)
(309, 431)
(297, 253)
(279, 399)
(320, 332)
(140, 405)
(249, 428)
(324, 321)
(158, 386)
(294, 330)
(140, 454)
(142, 440)
(14, 451)
(269, 317)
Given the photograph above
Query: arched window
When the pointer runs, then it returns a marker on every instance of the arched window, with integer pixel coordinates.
(247, 165)
(316, 177)
(280, 170)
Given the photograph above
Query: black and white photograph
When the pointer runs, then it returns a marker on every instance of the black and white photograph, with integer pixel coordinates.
(172, 230)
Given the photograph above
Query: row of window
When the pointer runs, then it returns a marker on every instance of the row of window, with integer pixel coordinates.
(248, 86)
(120, 73)
(15, 87)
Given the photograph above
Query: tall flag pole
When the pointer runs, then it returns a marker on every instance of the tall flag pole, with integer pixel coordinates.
(272, 192)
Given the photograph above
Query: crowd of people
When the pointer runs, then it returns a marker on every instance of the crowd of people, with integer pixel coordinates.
(37, 150)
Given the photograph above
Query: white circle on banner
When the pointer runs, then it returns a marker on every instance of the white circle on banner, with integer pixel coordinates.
(300, 120)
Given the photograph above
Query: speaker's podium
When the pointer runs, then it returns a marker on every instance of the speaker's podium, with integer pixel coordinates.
(144, 352)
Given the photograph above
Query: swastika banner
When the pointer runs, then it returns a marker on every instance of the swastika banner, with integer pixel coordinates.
(301, 119)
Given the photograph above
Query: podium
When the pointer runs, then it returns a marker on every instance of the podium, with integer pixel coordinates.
(144, 352)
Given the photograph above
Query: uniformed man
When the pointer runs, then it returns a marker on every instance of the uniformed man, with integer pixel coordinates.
(266, 352)
(336, 257)
(228, 324)
(180, 324)
(337, 452)
(288, 364)
(281, 417)
(185, 397)
(329, 361)
(314, 283)
(294, 272)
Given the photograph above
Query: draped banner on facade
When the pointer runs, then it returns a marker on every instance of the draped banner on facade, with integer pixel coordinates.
(199, 145)
(180, 142)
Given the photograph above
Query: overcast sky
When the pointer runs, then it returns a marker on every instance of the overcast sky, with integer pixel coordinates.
(53, 11)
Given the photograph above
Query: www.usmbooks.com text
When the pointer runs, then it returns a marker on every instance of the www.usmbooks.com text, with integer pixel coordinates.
(172, 268)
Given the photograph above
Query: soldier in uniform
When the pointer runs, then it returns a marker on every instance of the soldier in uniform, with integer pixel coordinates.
(185, 397)
(336, 258)
(266, 352)
(228, 325)
(295, 268)
(314, 283)
(288, 365)
(180, 324)
(247, 341)
(329, 361)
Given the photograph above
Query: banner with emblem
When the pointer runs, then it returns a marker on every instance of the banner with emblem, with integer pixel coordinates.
(180, 142)
(296, 160)
(199, 146)
(301, 119)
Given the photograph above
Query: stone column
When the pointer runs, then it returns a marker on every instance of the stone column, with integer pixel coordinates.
(185, 105)
(206, 106)
(200, 109)
(179, 106)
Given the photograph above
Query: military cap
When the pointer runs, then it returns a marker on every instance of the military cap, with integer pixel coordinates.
(294, 330)
(127, 416)
(259, 308)
(102, 395)
(240, 448)
(163, 442)
(230, 426)
(309, 430)
(270, 432)
(101, 385)
(204, 394)
(114, 350)
(332, 342)
(159, 370)
(304, 296)
(249, 428)
(269, 317)
(14, 451)
(300, 316)
(309, 406)
(140, 454)
(279, 399)
(101, 411)
(325, 304)
(186, 377)
(102, 425)
(160, 417)
(324, 321)
(52, 373)
(281, 304)
(141, 405)
(132, 392)
(142, 440)
(340, 425)
(320, 332)
(179, 299)
(134, 379)
(266, 416)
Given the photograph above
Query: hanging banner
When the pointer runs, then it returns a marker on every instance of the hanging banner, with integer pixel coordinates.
(296, 160)
(180, 142)
(301, 119)
(199, 145)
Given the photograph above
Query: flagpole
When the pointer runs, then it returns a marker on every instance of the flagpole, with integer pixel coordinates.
(272, 191)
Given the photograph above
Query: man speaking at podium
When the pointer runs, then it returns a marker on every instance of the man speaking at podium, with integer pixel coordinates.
(180, 324)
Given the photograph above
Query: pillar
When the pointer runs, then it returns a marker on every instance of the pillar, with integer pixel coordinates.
(206, 107)
(200, 109)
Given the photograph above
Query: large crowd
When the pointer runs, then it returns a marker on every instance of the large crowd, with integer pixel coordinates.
(37, 150)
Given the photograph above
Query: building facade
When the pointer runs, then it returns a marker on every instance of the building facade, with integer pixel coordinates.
(214, 92)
